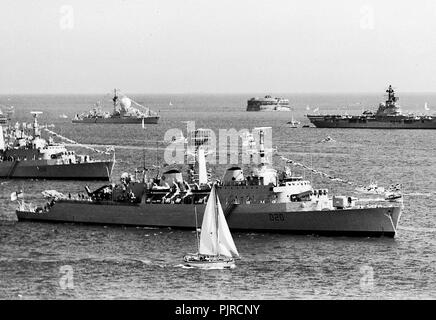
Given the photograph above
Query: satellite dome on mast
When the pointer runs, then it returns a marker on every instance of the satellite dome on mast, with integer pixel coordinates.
(125, 103)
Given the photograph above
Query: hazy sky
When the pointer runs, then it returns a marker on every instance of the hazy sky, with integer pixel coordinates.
(188, 46)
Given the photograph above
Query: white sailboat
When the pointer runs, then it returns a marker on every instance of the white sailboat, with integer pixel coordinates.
(216, 249)
(293, 123)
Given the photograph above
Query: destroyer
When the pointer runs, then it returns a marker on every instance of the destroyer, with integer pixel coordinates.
(31, 156)
(268, 104)
(123, 113)
(388, 116)
(264, 200)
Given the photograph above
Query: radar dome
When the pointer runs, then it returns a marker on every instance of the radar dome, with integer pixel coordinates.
(125, 103)
(124, 175)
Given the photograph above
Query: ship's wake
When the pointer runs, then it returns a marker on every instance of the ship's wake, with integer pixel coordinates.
(182, 266)
(417, 194)
(147, 262)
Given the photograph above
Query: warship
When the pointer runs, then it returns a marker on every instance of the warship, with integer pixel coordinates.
(264, 200)
(387, 116)
(268, 104)
(123, 113)
(3, 118)
(25, 155)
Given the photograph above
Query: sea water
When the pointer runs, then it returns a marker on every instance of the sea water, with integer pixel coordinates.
(73, 261)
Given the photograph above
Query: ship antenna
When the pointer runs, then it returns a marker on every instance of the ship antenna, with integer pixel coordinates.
(262, 147)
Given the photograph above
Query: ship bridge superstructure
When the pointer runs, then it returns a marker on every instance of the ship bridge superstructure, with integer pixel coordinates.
(390, 107)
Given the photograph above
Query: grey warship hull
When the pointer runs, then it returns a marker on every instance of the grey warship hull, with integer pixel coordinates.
(362, 123)
(279, 217)
(41, 169)
(118, 120)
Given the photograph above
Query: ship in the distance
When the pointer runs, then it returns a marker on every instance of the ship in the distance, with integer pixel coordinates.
(28, 155)
(268, 103)
(263, 200)
(388, 116)
(123, 113)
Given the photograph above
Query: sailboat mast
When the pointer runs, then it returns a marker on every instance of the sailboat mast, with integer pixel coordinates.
(216, 221)
(196, 230)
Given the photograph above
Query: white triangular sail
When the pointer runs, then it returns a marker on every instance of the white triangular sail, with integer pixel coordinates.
(226, 245)
(208, 236)
(216, 239)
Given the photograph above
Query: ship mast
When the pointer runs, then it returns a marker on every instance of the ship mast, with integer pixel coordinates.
(36, 131)
(262, 147)
(115, 99)
(391, 96)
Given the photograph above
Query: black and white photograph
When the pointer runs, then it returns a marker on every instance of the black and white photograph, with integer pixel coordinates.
(236, 152)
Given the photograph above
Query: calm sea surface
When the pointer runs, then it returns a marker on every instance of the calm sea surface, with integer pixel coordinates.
(123, 263)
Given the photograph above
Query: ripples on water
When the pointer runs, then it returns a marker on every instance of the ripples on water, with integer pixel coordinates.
(144, 263)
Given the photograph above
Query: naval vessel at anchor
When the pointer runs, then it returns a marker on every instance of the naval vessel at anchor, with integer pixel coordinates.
(28, 156)
(123, 113)
(264, 200)
(268, 103)
(387, 116)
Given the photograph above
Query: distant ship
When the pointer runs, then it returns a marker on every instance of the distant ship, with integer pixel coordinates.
(123, 113)
(268, 104)
(5, 118)
(388, 116)
(30, 156)
(261, 201)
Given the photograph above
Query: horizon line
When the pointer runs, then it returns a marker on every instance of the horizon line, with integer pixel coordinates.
(215, 93)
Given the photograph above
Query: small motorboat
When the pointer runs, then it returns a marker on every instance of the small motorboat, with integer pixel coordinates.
(328, 139)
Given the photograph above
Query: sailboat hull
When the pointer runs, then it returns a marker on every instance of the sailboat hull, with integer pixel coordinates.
(210, 263)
